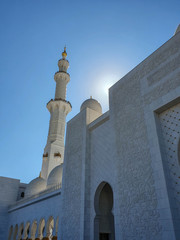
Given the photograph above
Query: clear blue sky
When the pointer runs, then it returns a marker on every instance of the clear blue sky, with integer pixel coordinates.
(104, 39)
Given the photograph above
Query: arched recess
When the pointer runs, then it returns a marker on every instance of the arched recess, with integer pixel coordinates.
(104, 219)
(26, 231)
(10, 233)
(50, 227)
(33, 230)
(15, 232)
(41, 229)
(21, 230)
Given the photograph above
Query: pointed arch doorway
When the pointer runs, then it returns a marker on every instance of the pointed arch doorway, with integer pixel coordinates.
(104, 219)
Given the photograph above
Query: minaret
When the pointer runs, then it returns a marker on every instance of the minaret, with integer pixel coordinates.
(58, 108)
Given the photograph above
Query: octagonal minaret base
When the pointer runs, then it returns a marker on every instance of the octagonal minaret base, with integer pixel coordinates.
(58, 108)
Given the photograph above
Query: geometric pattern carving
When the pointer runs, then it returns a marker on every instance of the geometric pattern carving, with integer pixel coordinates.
(170, 125)
(139, 218)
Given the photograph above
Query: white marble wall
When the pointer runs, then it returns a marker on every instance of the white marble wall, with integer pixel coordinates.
(8, 194)
(74, 175)
(42, 207)
(123, 148)
(102, 167)
(144, 205)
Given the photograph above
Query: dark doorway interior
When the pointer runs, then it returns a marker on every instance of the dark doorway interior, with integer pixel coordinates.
(104, 236)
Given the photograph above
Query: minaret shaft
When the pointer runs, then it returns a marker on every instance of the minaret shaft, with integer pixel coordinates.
(58, 108)
(60, 89)
(56, 126)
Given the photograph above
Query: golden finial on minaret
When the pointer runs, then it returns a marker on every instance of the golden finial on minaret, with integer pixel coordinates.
(64, 54)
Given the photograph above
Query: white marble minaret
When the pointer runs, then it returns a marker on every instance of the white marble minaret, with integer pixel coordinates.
(58, 108)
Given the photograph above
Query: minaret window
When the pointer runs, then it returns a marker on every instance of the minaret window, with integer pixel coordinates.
(57, 154)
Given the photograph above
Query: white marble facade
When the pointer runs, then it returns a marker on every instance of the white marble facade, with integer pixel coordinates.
(119, 177)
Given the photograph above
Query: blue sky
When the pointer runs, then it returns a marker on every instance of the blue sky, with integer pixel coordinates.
(104, 39)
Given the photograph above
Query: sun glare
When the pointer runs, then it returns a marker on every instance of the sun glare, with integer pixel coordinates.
(106, 88)
(107, 81)
(100, 88)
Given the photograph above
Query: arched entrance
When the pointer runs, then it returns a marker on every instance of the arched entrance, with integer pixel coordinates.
(104, 219)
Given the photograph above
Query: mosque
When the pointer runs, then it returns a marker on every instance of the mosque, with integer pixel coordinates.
(118, 176)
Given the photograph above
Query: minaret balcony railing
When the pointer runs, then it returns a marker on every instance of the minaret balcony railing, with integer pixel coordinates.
(60, 99)
(62, 72)
(61, 75)
(59, 103)
(63, 60)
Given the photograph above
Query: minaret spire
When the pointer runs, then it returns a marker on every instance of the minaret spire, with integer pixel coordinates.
(58, 108)
(64, 54)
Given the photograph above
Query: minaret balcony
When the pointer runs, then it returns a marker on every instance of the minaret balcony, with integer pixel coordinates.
(59, 76)
(63, 63)
(59, 103)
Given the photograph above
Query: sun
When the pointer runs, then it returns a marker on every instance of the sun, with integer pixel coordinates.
(107, 81)
(106, 88)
